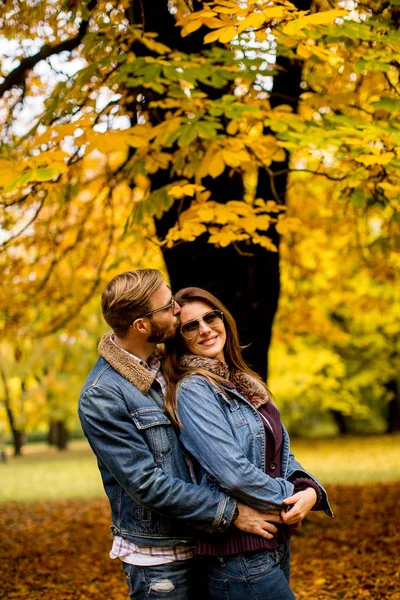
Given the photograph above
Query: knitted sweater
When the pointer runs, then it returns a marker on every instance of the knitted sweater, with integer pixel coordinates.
(234, 541)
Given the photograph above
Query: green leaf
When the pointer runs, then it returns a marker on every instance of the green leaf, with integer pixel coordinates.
(388, 104)
(207, 129)
(187, 136)
(20, 181)
(358, 198)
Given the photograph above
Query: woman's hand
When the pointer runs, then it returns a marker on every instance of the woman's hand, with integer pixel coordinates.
(302, 503)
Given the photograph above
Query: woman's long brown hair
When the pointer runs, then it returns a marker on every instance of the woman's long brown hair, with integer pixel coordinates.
(175, 348)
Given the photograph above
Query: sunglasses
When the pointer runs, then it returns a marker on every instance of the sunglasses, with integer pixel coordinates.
(192, 328)
(170, 305)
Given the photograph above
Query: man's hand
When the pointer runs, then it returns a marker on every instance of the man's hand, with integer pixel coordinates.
(302, 503)
(257, 521)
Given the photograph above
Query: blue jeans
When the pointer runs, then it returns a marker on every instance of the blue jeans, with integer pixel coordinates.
(261, 575)
(173, 581)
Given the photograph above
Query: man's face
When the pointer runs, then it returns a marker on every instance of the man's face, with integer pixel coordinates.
(163, 323)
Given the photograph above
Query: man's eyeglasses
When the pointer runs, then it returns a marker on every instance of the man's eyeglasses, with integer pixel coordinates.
(192, 328)
(170, 305)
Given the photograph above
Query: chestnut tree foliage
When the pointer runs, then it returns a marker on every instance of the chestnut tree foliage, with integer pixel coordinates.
(217, 133)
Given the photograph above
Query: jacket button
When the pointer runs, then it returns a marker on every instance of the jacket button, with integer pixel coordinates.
(272, 466)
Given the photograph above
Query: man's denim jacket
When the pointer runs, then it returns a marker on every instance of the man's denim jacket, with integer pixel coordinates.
(225, 435)
(141, 463)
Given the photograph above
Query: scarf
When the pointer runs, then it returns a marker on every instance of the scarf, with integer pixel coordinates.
(245, 384)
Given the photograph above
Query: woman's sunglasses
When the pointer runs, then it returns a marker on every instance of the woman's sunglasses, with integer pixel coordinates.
(192, 328)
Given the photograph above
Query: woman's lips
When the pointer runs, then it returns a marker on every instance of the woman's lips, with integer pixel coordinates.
(209, 341)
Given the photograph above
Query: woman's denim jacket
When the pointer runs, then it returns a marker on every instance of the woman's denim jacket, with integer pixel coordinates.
(142, 466)
(225, 435)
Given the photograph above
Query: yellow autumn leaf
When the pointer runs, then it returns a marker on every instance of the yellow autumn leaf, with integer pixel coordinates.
(319, 18)
(287, 225)
(391, 191)
(303, 51)
(263, 222)
(224, 237)
(249, 224)
(217, 165)
(180, 191)
(280, 155)
(135, 142)
(264, 242)
(121, 192)
(46, 158)
(194, 16)
(190, 27)
(380, 159)
(155, 46)
(234, 158)
(227, 34)
(211, 37)
(232, 127)
(206, 13)
(7, 174)
(213, 23)
(276, 12)
(224, 10)
(253, 20)
(206, 214)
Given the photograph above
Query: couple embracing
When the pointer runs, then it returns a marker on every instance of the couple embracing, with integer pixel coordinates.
(196, 463)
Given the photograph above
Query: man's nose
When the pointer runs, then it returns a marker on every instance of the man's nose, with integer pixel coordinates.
(177, 308)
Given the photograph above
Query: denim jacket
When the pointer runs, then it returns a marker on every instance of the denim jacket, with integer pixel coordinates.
(225, 435)
(145, 476)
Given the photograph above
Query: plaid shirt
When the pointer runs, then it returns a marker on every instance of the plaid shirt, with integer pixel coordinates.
(149, 555)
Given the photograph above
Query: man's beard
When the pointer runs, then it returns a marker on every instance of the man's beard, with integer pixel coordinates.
(160, 334)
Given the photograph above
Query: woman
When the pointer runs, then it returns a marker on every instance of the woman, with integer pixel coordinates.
(233, 434)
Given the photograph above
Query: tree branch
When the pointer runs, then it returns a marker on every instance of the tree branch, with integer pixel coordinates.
(17, 76)
(4, 244)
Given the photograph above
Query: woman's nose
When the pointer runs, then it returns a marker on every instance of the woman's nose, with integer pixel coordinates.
(204, 328)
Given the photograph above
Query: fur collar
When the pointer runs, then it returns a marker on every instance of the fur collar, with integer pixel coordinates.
(250, 387)
(126, 366)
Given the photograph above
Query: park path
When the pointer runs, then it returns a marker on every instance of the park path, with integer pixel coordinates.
(59, 550)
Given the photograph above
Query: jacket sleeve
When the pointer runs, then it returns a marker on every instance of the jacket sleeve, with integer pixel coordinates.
(207, 435)
(297, 472)
(122, 449)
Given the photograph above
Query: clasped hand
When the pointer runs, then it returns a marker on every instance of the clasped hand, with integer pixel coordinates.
(301, 502)
(261, 522)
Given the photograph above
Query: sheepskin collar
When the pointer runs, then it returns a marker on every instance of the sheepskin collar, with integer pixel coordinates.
(126, 366)
(246, 384)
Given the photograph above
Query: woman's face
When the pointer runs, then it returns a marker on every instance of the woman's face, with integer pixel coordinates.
(210, 339)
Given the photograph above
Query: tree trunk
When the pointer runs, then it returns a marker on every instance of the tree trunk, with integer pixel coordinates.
(245, 276)
(18, 435)
(393, 413)
(340, 421)
(58, 435)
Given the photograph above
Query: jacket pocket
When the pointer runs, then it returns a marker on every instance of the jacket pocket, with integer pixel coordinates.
(157, 431)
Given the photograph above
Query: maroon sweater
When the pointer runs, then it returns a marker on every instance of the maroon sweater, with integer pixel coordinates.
(234, 541)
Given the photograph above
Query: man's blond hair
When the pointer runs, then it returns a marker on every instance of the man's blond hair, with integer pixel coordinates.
(127, 297)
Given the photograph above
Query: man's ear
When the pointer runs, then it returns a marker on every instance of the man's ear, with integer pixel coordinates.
(140, 326)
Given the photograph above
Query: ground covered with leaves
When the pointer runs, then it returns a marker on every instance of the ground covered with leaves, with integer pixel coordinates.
(59, 550)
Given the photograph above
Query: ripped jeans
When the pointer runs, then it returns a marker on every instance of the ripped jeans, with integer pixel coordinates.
(173, 581)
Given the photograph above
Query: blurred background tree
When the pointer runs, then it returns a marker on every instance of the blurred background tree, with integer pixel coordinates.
(248, 132)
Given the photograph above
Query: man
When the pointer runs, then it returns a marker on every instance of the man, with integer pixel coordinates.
(153, 502)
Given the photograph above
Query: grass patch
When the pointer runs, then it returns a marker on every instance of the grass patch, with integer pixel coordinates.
(46, 474)
(342, 460)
